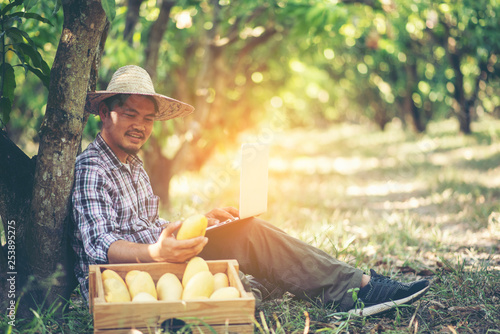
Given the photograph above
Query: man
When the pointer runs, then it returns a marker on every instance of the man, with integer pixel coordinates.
(116, 214)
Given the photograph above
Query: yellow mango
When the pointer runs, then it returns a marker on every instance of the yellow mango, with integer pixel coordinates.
(130, 276)
(228, 292)
(169, 287)
(194, 266)
(192, 227)
(108, 273)
(143, 297)
(115, 291)
(201, 285)
(142, 282)
(220, 281)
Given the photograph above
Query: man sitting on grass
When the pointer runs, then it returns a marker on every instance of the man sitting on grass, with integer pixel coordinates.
(116, 214)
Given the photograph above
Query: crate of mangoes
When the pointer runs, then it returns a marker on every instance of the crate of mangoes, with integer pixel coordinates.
(151, 297)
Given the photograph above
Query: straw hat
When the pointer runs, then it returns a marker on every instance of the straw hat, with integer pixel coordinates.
(133, 79)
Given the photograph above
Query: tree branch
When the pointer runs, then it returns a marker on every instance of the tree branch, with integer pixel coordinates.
(133, 9)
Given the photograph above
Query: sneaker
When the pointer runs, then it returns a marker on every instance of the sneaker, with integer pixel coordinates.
(383, 293)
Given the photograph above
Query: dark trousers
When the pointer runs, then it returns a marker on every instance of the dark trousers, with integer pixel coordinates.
(266, 252)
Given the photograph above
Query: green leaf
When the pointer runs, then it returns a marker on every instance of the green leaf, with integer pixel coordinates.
(5, 107)
(31, 52)
(45, 78)
(57, 7)
(10, 6)
(30, 16)
(28, 4)
(22, 57)
(8, 20)
(45, 68)
(15, 32)
(9, 81)
(109, 8)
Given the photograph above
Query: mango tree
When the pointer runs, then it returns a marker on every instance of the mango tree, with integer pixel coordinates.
(36, 192)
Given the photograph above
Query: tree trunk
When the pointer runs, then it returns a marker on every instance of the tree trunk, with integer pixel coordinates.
(461, 108)
(47, 242)
(159, 171)
(133, 9)
(155, 37)
(416, 115)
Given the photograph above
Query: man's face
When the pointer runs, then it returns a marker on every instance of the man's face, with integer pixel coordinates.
(125, 129)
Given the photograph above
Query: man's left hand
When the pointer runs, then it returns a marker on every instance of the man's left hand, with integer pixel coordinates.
(217, 215)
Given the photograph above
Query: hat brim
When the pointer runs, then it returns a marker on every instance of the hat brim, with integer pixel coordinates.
(168, 107)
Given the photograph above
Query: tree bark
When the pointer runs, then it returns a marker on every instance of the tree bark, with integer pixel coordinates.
(47, 242)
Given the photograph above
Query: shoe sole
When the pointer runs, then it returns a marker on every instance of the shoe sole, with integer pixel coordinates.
(379, 308)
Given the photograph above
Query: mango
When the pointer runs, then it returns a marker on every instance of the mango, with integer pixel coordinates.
(142, 282)
(220, 281)
(201, 285)
(108, 273)
(192, 227)
(130, 276)
(194, 266)
(115, 291)
(228, 292)
(143, 297)
(169, 287)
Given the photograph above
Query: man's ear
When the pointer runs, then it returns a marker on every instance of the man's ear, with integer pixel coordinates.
(103, 110)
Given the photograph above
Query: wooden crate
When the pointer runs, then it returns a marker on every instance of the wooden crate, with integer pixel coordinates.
(223, 316)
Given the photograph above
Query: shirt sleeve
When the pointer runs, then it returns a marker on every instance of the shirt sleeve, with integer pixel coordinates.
(94, 214)
(161, 222)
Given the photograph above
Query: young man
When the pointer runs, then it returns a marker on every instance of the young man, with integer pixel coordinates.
(116, 214)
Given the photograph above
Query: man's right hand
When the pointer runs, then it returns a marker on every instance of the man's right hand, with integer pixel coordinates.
(169, 249)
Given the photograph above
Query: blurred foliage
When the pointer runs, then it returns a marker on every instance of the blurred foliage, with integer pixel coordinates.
(18, 50)
(323, 61)
(30, 34)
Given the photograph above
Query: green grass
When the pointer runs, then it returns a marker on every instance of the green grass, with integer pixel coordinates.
(406, 205)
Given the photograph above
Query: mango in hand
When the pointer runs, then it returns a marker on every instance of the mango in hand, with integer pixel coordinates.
(194, 226)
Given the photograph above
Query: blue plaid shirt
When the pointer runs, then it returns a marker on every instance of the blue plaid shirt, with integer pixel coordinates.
(111, 201)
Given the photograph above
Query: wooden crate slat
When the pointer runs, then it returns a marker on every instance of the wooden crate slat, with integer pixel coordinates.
(222, 329)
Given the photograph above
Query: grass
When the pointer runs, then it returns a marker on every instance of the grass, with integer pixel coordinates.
(406, 205)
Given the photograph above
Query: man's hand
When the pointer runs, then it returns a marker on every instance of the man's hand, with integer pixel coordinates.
(217, 215)
(169, 249)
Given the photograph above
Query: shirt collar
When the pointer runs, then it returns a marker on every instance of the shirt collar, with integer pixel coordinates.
(110, 157)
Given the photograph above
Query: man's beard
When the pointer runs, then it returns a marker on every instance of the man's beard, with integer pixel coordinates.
(130, 150)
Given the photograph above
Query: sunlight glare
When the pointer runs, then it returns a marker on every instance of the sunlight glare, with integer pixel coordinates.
(183, 20)
(257, 77)
(276, 102)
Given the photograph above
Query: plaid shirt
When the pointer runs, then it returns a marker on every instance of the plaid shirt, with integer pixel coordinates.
(111, 201)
